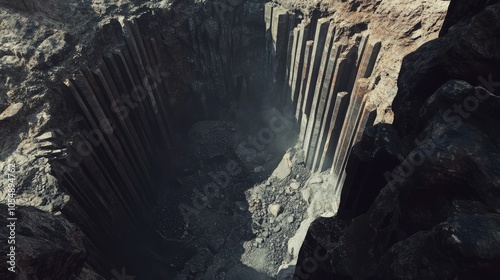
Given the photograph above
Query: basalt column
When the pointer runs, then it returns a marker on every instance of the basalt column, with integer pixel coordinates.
(137, 100)
(324, 74)
(125, 134)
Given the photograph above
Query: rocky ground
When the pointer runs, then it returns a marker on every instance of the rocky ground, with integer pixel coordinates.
(243, 229)
(253, 227)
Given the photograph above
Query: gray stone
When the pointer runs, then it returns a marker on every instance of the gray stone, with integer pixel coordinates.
(277, 228)
(258, 169)
(11, 111)
(295, 185)
(284, 168)
(274, 209)
(316, 179)
(306, 195)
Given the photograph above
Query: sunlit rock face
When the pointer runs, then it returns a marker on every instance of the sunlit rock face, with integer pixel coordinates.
(432, 212)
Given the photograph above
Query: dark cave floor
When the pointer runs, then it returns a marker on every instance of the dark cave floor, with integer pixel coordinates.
(215, 216)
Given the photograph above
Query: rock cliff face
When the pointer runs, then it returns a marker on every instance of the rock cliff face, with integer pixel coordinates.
(424, 194)
(95, 94)
(47, 247)
(336, 64)
(97, 97)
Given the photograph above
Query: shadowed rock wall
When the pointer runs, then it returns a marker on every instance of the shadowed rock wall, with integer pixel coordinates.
(422, 196)
(136, 77)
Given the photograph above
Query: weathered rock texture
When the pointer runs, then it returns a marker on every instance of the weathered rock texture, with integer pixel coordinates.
(335, 64)
(47, 247)
(421, 198)
(401, 28)
(136, 75)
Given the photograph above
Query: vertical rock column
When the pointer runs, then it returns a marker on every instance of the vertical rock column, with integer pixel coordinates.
(299, 71)
(125, 134)
(320, 95)
(280, 23)
(302, 78)
(325, 155)
(320, 38)
(350, 129)
(366, 120)
(356, 104)
(325, 82)
(268, 19)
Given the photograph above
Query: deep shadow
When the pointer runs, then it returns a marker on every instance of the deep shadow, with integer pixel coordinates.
(192, 234)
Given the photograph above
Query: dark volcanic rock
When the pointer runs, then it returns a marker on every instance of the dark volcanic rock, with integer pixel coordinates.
(46, 246)
(377, 152)
(469, 50)
(323, 235)
(437, 215)
(461, 10)
(467, 243)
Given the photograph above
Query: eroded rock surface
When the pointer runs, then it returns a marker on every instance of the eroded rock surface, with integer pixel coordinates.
(46, 246)
(436, 215)
(214, 52)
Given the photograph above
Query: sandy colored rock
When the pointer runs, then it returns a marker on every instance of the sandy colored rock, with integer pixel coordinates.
(274, 209)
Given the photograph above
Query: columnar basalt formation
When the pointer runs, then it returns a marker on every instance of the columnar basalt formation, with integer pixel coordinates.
(421, 197)
(328, 55)
(130, 102)
(98, 97)
(150, 72)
